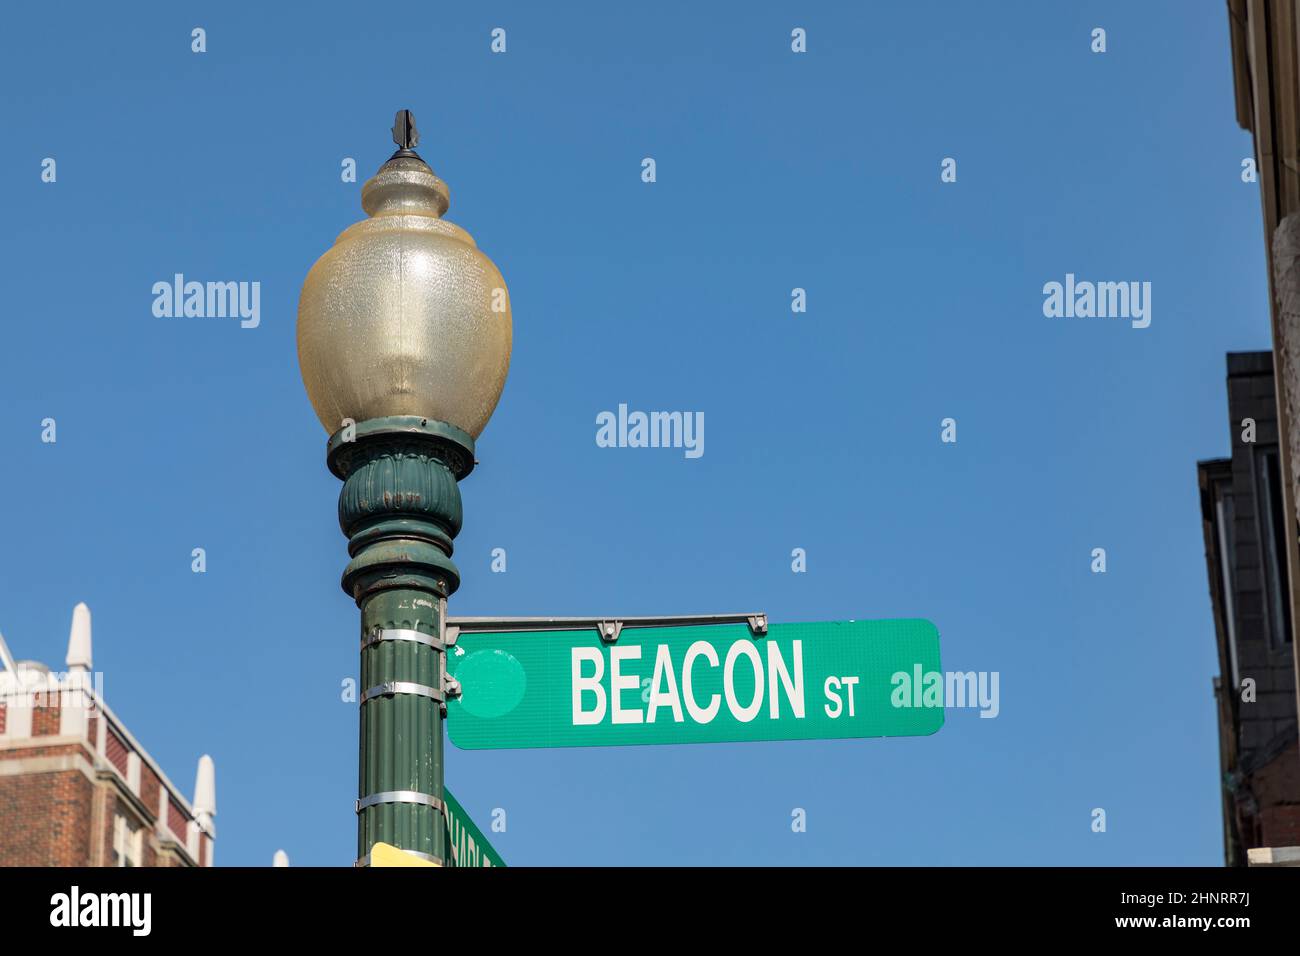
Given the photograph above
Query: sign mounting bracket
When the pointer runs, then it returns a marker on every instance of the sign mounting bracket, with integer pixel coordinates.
(609, 628)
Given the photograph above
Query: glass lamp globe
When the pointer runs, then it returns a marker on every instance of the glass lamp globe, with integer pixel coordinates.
(404, 315)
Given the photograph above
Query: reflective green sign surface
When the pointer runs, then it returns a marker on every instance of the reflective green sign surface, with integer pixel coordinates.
(470, 847)
(694, 684)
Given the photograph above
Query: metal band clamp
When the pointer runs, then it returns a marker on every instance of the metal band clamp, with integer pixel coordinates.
(392, 687)
(411, 796)
(379, 635)
(401, 796)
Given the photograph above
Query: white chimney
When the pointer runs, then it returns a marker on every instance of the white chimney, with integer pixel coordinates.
(281, 858)
(205, 793)
(79, 659)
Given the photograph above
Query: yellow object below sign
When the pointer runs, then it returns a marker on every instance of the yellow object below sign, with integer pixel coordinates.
(383, 854)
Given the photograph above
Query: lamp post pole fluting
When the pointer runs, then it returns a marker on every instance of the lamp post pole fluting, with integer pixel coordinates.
(404, 333)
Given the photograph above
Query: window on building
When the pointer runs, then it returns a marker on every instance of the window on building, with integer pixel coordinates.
(128, 842)
(1273, 542)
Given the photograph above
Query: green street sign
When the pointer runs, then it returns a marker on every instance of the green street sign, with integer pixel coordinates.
(469, 846)
(691, 684)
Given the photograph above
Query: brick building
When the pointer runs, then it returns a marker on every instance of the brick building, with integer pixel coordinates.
(1246, 553)
(76, 788)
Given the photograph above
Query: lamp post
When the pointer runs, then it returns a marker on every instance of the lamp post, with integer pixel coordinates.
(404, 337)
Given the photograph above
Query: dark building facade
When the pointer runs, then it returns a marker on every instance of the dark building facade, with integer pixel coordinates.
(1246, 544)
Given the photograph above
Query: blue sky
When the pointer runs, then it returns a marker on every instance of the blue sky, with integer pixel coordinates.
(774, 171)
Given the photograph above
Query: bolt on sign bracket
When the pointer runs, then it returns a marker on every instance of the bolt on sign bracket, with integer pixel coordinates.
(450, 687)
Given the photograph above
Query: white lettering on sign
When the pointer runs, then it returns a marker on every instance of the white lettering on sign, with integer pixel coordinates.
(832, 689)
(701, 715)
(743, 714)
(619, 682)
(591, 683)
(666, 697)
(591, 700)
(776, 669)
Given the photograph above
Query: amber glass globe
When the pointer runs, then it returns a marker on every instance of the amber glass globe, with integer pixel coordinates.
(404, 315)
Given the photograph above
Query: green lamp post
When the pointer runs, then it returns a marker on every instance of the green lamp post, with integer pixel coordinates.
(404, 337)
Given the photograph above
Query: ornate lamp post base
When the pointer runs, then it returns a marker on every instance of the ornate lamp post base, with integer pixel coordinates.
(400, 508)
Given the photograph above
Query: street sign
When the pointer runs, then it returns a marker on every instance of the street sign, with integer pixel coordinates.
(696, 683)
(469, 847)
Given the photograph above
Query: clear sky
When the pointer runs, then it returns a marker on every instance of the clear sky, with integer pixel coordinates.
(775, 170)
